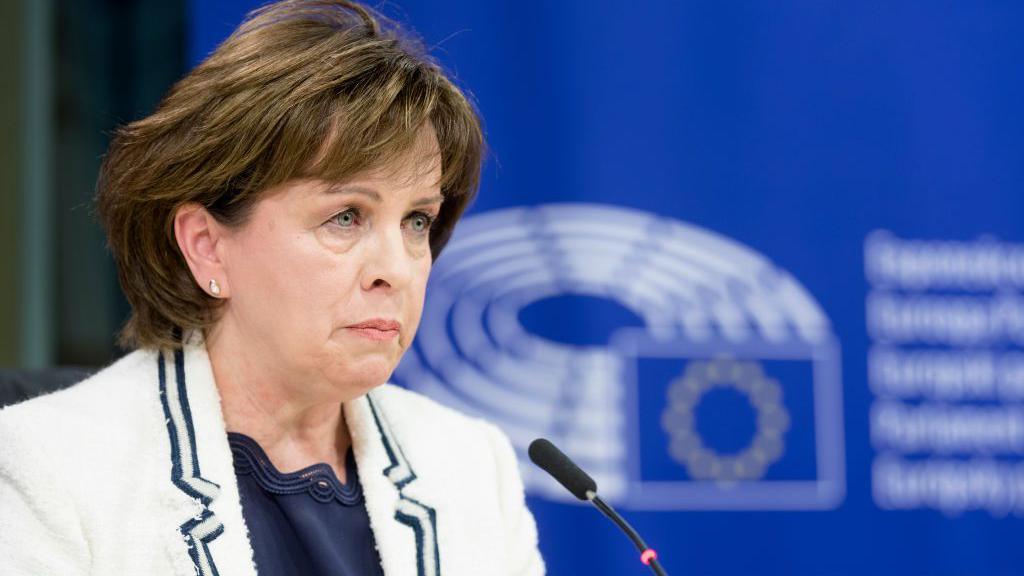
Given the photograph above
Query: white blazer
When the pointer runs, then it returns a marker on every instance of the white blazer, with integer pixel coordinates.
(130, 472)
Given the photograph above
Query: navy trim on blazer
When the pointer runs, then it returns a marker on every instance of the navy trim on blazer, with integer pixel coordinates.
(414, 514)
(203, 529)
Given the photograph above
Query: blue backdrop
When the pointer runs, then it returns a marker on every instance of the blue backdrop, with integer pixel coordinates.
(758, 265)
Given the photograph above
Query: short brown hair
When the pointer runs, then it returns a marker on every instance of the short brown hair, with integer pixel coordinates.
(316, 88)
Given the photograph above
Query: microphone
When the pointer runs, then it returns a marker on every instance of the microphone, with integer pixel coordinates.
(550, 459)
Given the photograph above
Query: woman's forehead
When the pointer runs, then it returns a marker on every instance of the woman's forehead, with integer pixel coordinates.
(408, 184)
(379, 191)
(418, 168)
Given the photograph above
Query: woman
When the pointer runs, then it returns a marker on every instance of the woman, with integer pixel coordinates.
(274, 223)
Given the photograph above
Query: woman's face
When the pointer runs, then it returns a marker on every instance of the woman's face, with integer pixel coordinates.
(327, 279)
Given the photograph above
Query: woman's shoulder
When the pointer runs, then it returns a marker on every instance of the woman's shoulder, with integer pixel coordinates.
(468, 467)
(101, 395)
(78, 465)
(86, 420)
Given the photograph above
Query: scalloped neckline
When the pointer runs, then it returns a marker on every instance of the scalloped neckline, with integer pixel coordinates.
(318, 480)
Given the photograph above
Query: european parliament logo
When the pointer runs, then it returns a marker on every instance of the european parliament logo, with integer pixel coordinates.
(682, 369)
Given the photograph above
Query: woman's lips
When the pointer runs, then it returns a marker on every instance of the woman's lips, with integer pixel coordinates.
(374, 334)
(378, 329)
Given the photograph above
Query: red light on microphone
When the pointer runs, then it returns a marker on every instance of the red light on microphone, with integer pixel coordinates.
(648, 555)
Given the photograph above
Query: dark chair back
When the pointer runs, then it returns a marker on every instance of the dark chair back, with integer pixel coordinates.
(19, 385)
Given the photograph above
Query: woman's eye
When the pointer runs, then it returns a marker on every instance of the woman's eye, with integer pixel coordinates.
(346, 219)
(420, 222)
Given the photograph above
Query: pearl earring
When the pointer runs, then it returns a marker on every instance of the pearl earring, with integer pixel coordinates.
(214, 288)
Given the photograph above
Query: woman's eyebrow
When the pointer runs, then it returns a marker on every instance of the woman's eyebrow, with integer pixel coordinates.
(427, 201)
(375, 196)
(347, 189)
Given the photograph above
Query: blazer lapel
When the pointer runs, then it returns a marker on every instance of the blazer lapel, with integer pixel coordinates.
(201, 465)
(404, 527)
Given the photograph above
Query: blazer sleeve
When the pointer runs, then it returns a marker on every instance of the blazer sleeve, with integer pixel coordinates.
(40, 532)
(522, 557)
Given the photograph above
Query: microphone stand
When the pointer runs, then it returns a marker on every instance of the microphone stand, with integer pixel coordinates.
(549, 458)
(647, 555)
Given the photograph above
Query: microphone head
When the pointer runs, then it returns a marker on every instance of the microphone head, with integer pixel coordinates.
(549, 458)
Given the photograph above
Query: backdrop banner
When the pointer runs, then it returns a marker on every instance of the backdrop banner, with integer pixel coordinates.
(758, 267)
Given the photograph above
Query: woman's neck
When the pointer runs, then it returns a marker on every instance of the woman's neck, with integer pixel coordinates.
(294, 431)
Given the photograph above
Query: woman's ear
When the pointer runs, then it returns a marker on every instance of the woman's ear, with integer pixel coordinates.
(199, 237)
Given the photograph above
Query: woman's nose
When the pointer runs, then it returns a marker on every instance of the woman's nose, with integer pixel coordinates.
(388, 262)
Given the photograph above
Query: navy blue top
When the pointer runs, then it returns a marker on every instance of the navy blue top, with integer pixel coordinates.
(305, 522)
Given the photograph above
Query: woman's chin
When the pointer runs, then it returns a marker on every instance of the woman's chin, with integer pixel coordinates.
(360, 380)
(356, 372)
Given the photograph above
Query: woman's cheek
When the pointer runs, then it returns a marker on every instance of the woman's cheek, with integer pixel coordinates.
(420, 290)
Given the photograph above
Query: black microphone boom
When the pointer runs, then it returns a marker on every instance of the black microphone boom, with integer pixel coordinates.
(550, 459)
